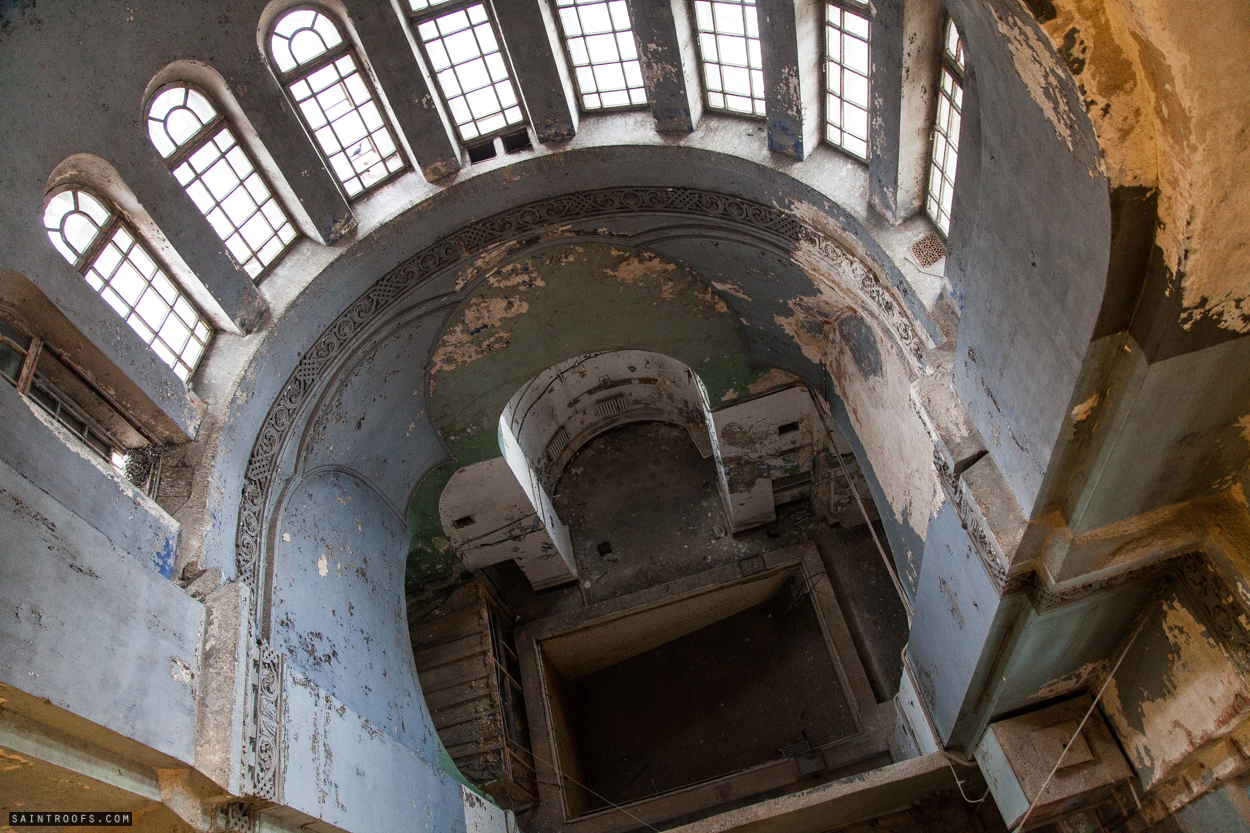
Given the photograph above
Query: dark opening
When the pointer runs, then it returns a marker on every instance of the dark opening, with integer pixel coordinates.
(461, 523)
(605, 548)
(516, 141)
(744, 691)
(482, 152)
(788, 428)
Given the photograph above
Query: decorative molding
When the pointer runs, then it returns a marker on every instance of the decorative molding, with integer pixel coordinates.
(262, 726)
(234, 817)
(508, 225)
(1219, 605)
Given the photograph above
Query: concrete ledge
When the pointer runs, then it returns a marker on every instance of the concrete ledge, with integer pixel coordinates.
(838, 803)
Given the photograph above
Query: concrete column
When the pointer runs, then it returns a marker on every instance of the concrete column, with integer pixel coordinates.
(532, 40)
(906, 42)
(670, 63)
(193, 238)
(306, 180)
(413, 103)
(885, 84)
(791, 38)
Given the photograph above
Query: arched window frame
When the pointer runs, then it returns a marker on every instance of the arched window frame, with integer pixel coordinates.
(947, 118)
(847, 25)
(191, 162)
(102, 261)
(426, 19)
(708, 33)
(342, 55)
(599, 43)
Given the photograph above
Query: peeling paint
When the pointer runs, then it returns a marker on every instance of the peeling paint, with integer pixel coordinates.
(1043, 77)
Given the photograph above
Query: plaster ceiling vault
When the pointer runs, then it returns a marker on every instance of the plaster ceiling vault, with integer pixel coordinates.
(1048, 430)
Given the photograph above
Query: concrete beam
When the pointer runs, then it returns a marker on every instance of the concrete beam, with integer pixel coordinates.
(906, 41)
(532, 40)
(791, 38)
(412, 102)
(670, 63)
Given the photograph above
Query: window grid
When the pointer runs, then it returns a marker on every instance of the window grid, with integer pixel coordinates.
(946, 126)
(600, 44)
(220, 178)
(119, 267)
(335, 99)
(733, 65)
(462, 48)
(846, 78)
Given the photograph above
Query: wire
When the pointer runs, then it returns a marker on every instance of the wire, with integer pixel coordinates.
(1032, 804)
(564, 774)
(889, 568)
(960, 783)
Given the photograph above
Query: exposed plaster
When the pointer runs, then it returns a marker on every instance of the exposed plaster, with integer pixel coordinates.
(1177, 702)
(1042, 75)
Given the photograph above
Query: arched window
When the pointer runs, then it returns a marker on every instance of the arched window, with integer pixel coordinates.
(600, 43)
(323, 76)
(733, 63)
(946, 129)
(208, 161)
(464, 51)
(119, 266)
(846, 76)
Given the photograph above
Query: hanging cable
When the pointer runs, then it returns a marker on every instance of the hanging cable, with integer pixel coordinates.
(1111, 676)
(564, 774)
(889, 567)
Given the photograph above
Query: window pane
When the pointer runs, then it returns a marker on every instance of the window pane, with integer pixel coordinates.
(301, 36)
(347, 125)
(605, 61)
(129, 279)
(730, 46)
(846, 79)
(472, 74)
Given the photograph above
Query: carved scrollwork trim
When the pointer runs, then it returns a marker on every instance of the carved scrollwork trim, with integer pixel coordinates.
(470, 240)
(235, 817)
(262, 730)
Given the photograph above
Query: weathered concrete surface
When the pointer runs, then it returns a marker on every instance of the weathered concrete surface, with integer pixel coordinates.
(1179, 689)
(670, 66)
(532, 44)
(64, 468)
(791, 36)
(1038, 157)
(956, 609)
(489, 518)
(348, 772)
(337, 609)
(71, 635)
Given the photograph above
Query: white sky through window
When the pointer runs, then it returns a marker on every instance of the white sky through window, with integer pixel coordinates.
(601, 48)
(220, 178)
(733, 65)
(945, 158)
(472, 75)
(126, 275)
(846, 79)
(335, 100)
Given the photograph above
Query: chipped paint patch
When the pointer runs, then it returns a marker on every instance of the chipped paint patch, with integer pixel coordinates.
(1069, 683)
(1043, 76)
(1081, 412)
(1173, 702)
(465, 343)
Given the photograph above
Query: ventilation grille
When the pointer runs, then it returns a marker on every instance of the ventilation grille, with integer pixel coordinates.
(928, 250)
(614, 405)
(558, 444)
